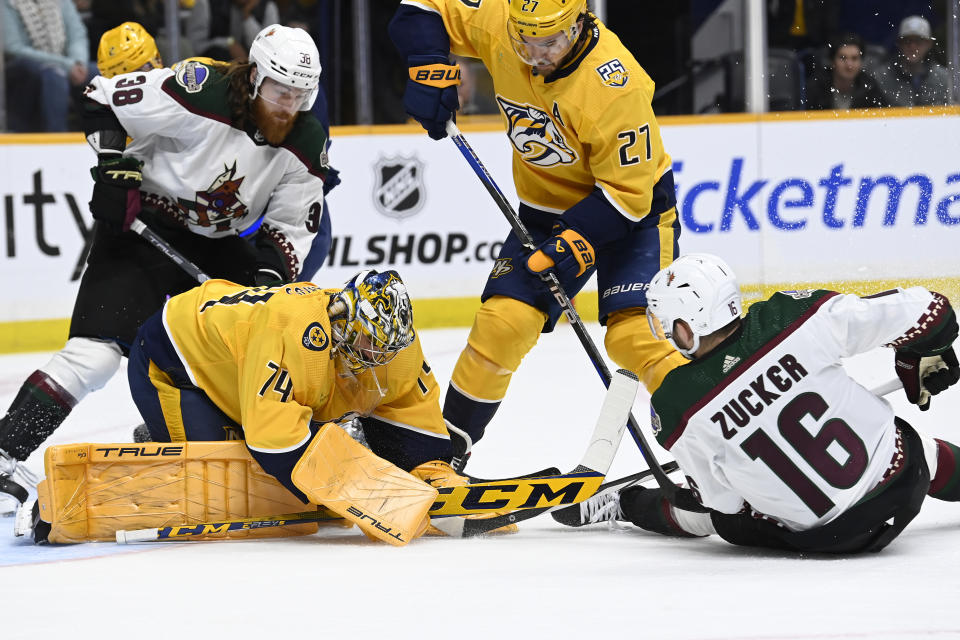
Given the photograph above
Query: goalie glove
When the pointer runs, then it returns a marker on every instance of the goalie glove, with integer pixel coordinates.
(437, 474)
(567, 252)
(926, 376)
(116, 191)
(431, 94)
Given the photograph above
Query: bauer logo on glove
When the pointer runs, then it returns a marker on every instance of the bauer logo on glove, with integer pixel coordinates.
(436, 75)
(568, 252)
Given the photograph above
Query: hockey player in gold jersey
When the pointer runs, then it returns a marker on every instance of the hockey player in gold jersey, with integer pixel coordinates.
(272, 365)
(595, 183)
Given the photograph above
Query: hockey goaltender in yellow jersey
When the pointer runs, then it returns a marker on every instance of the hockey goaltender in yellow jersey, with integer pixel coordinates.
(263, 356)
(305, 377)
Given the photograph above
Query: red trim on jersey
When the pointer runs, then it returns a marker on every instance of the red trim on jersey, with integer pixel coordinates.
(743, 367)
(51, 389)
(946, 467)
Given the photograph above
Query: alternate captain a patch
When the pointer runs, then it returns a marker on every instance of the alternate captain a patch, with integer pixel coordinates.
(315, 338)
(613, 74)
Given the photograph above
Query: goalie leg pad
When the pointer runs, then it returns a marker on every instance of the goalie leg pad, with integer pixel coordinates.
(93, 490)
(630, 344)
(386, 502)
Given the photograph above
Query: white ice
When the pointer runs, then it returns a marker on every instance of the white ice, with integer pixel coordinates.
(546, 581)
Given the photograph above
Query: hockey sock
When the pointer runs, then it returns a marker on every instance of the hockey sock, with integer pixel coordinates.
(39, 408)
(649, 510)
(945, 485)
(630, 344)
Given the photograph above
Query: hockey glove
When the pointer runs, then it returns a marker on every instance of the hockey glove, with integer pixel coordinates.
(431, 95)
(926, 376)
(567, 252)
(116, 191)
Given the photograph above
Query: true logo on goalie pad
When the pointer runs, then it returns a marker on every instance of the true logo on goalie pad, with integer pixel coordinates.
(387, 530)
(398, 191)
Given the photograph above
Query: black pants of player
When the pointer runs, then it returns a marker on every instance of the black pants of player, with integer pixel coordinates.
(127, 279)
(863, 527)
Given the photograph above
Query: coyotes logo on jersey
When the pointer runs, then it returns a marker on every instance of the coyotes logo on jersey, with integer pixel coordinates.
(219, 204)
(535, 136)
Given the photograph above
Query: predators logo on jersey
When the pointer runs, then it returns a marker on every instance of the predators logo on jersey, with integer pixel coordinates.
(613, 74)
(535, 136)
(315, 338)
(219, 204)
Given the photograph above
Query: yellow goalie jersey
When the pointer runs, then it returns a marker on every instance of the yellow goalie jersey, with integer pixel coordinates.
(591, 125)
(263, 356)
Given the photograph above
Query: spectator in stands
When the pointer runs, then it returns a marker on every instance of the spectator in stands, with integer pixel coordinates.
(47, 62)
(914, 79)
(224, 29)
(844, 85)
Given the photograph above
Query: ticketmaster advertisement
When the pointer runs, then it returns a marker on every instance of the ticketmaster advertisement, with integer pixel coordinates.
(785, 200)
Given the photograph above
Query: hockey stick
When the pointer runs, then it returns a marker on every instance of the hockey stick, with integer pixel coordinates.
(469, 499)
(553, 284)
(150, 236)
(597, 459)
(511, 494)
(478, 527)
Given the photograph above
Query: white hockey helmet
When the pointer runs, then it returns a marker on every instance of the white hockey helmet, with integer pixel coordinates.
(288, 56)
(698, 288)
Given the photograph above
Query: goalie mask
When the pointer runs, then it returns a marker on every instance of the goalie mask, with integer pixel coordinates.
(371, 319)
(543, 32)
(287, 67)
(698, 288)
(127, 48)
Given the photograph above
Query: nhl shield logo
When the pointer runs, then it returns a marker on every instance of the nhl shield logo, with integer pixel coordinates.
(398, 190)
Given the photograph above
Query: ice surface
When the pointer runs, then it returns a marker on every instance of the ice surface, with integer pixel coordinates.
(544, 582)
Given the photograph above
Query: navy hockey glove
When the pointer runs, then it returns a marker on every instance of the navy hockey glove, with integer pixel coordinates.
(567, 252)
(431, 95)
(926, 376)
(116, 191)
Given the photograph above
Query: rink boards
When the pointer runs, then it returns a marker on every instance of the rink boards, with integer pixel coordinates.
(857, 202)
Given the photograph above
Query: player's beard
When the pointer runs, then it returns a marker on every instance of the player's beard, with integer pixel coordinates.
(274, 125)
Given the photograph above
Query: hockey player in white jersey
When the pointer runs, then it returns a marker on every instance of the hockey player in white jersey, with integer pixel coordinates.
(226, 164)
(777, 442)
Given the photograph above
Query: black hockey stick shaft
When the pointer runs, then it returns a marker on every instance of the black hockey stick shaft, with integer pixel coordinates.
(553, 284)
(164, 247)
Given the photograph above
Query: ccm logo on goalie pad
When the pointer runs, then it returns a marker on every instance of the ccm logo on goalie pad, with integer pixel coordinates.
(140, 452)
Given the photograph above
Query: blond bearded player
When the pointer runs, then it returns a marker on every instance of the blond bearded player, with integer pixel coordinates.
(215, 151)
(595, 184)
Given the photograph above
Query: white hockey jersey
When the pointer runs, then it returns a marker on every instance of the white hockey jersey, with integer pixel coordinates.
(207, 174)
(771, 419)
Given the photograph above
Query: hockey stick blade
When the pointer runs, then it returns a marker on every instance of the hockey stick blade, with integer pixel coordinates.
(596, 461)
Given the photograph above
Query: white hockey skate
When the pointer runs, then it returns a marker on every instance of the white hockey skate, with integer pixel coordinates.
(15, 483)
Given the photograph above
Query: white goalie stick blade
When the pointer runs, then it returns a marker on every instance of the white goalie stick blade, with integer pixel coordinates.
(611, 423)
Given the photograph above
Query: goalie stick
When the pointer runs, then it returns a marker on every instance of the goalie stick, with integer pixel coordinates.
(553, 284)
(596, 461)
(164, 247)
(497, 495)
